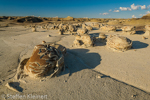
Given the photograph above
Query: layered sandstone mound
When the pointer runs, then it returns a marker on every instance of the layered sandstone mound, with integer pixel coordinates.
(72, 28)
(108, 28)
(60, 26)
(89, 28)
(128, 29)
(69, 18)
(65, 27)
(118, 43)
(147, 32)
(102, 36)
(61, 31)
(147, 27)
(84, 25)
(83, 41)
(82, 31)
(45, 59)
(146, 16)
(95, 25)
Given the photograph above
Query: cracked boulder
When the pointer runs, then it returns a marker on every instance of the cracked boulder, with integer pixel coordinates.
(46, 59)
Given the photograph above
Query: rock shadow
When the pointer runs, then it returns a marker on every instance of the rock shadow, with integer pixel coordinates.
(15, 85)
(140, 32)
(94, 28)
(100, 42)
(94, 34)
(2, 30)
(79, 59)
(139, 45)
(118, 30)
(39, 31)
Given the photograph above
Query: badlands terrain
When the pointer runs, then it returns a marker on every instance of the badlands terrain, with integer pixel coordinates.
(92, 71)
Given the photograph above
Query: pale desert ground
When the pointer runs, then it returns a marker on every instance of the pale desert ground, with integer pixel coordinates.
(93, 73)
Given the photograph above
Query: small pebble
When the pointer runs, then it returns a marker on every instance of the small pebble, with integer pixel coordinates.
(98, 76)
(65, 81)
(43, 42)
(41, 80)
(143, 37)
(48, 35)
(133, 96)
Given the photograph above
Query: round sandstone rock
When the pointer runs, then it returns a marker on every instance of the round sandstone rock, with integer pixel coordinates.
(118, 43)
(45, 59)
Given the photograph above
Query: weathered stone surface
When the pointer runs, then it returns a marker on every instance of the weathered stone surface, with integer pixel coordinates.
(102, 36)
(82, 31)
(89, 28)
(108, 28)
(45, 59)
(147, 27)
(118, 43)
(83, 41)
(128, 30)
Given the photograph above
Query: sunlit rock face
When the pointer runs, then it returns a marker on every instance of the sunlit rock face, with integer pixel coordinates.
(118, 43)
(83, 41)
(108, 28)
(45, 59)
(129, 29)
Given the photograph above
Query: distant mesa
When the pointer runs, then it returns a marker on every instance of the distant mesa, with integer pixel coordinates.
(29, 19)
(146, 16)
(69, 18)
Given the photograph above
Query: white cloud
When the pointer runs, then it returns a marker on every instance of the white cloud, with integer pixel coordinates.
(148, 12)
(116, 11)
(143, 7)
(135, 7)
(148, 6)
(129, 8)
(133, 16)
(104, 13)
(110, 10)
(55, 17)
(125, 8)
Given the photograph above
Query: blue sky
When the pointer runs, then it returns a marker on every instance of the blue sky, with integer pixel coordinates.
(76, 8)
